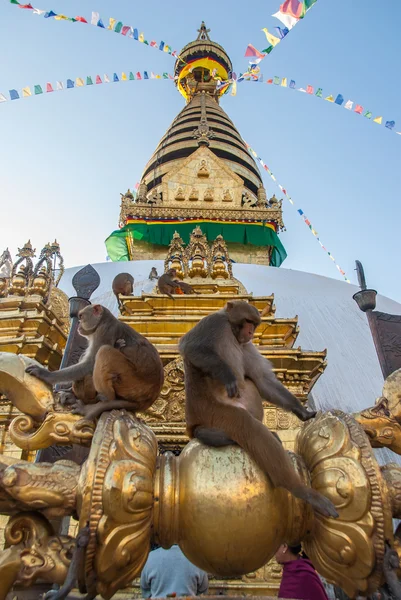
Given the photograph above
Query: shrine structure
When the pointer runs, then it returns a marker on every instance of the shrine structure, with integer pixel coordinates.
(109, 488)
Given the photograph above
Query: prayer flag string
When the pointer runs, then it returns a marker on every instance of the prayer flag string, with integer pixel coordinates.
(338, 99)
(289, 13)
(96, 20)
(299, 211)
(38, 89)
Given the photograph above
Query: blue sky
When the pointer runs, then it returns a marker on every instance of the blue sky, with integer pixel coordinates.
(65, 157)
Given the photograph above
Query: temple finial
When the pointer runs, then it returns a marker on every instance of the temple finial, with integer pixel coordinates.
(203, 33)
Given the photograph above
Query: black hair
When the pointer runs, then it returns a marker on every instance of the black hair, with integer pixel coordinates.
(295, 549)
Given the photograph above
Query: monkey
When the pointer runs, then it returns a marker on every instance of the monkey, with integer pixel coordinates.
(123, 283)
(126, 367)
(186, 287)
(225, 380)
(78, 558)
(153, 274)
(167, 285)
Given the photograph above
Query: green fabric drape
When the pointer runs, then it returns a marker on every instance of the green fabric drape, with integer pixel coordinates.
(161, 234)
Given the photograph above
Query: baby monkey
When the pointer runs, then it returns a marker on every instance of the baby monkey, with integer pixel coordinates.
(226, 379)
(168, 284)
(126, 368)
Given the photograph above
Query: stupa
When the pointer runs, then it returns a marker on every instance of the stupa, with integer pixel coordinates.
(201, 208)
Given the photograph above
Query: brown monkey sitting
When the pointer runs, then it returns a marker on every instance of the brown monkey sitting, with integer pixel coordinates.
(127, 369)
(123, 283)
(166, 283)
(225, 380)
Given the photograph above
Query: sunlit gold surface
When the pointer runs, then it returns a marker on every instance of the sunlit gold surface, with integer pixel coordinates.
(382, 422)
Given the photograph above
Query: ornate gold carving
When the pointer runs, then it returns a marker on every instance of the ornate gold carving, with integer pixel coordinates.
(203, 171)
(392, 474)
(170, 406)
(227, 197)
(341, 463)
(34, 552)
(180, 194)
(193, 195)
(197, 255)
(50, 488)
(175, 256)
(208, 195)
(221, 262)
(382, 422)
(118, 507)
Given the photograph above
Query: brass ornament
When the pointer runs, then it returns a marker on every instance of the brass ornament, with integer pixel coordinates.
(34, 552)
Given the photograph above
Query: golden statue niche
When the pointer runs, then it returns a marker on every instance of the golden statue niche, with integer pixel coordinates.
(214, 502)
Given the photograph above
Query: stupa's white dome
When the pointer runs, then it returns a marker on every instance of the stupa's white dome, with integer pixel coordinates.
(328, 319)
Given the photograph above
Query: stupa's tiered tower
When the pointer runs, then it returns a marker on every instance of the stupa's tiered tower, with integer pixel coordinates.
(201, 174)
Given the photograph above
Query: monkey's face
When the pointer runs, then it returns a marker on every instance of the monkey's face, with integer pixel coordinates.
(89, 318)
(172, 273)
(243, 318)
(128, 288)
(245, 332)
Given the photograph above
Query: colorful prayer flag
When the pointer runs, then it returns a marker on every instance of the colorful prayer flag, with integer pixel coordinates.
(161, 46)
(358, 109)
(95, 18)
(38, 89)
(330, 98)
(309, 89)
(106, 79)
(252, 52)
(339, 100)
(145, 75)
(49, 88)
(348, 105)
(292, 8)
(123, 77)
(368, 114)
(118, 27)
(125, 30)
(26, 91)
(390, 124)
(79, 82)
(81, 19)
(284, 82)
(98, 79)
(141, 37)
(292, 84)
(100, 24)
(272, 39)
(378, 120)
(131, 76)
(50, 14)
(286, 20)
(138, 75)
(115, 78)
(319, 93)
(276, 80)
(37, 11)
(89, 80)
(282, 32)
(70, 83)
(112, 22)
(135, 34)
(59, 86)
(3, 98)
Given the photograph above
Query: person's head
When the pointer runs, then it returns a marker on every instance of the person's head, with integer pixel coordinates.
(287, 553)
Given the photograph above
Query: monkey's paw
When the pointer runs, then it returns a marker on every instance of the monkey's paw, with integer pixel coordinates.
(305, 415)
(120, 344)
(79, 408)
(39, 373)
